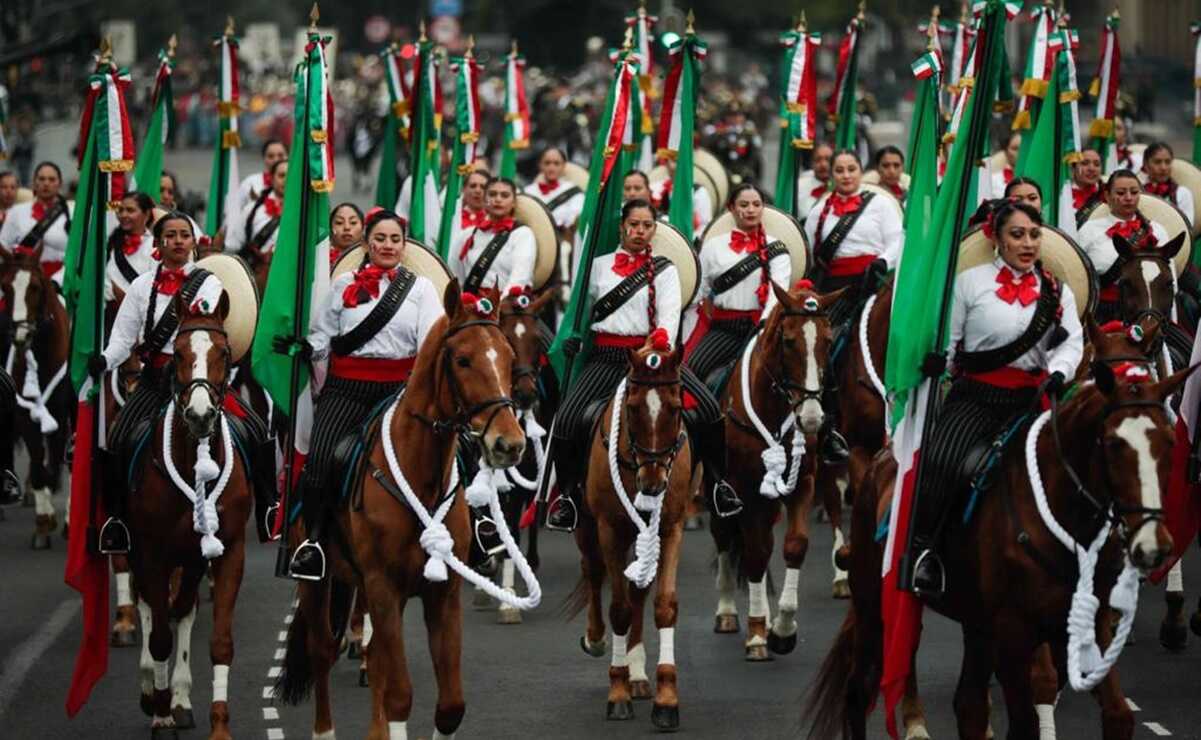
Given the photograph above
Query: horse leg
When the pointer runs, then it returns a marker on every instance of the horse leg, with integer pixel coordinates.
(505, 613)
(39, 485)
(724, 539)
(640, 684)
(782, 638)
(1013, 656)
(619, 706)
(388, 670)
(913, 714)
(125, 626)
(158, 638)
(226, 573)
(1117, 719)
(444, 623)
(354, 630)
(1044, 681)
(592, 569)
(1173, 631)
(833, 482)
(665, 715)
(757, 543)
(971, 694)
(183, 614)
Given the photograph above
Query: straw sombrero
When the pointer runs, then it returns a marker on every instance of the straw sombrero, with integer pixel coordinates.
(700, 177)
(418, 259)
(576, 175)
(238, 282)
(781, 226)
(670, 243)
(532, 212)
(872, 177)
(1059, 254)
(24, 195)
(716, 171)
(1166, 215)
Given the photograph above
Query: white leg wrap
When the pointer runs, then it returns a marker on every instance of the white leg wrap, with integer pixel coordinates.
(636, 660)
(327, 735)
(726, 603)
(917, 731)
(758, 592)
(398, 731)
(160, 675)
(43, 505)
(145, 662)
(367, 630)
(1046, 721)
(508, 569)
(667, 646)
(1176, 578)
(181, 677)
(792, 584)
(619, 651)
(124, 594)
(221, 686)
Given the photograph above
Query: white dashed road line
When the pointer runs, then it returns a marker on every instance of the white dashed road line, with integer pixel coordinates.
(1158, 729)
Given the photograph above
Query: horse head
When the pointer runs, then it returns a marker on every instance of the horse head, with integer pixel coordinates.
(1146, 281)
(654, 404)
(477, 363)
(1123, 417)
(27, 293)
(519, 321)
(202, 362)
(796, 344)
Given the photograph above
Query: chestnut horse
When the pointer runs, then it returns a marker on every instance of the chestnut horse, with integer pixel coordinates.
(638, 447)
(37, 362)
(1010, 582)
(189, 456)
(460, 382)
(772, 406)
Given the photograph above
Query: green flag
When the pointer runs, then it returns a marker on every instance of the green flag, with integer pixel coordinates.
(842, 108)
(223, 183)
(424, 209)
(517, 114)
(467, 137)
(677, 125)
(798, 109)
(1055, 145)
(387, 184)
(148, 172)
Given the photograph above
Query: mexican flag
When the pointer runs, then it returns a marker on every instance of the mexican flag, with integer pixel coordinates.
(1196, 30)
(798, 109)
(223, 183)
(387, 184)
(424, 209)
(641, 23)
(1105, 89)
(517, 114)
(677, 124)
(107, 153)
(148, 172)
(1040, 66)
(925, 134)
(841, 107)
(1055, 145)
(920, 312)
(467, 127)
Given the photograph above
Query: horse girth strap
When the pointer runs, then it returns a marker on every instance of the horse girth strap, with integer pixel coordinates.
(562, 198)
(35, 235)
(479, 270)
(746, 266)
(389, 303)
(826, 248)
(608, 304)
(1043, 320)
(163, 330)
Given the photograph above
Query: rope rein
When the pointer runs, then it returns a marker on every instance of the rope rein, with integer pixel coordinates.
(779, 479)
(204, 504)
(645, 566)
(33, 398)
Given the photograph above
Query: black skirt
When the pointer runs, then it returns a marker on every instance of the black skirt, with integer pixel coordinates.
(342, 409)
(147, 400)
(719, 349)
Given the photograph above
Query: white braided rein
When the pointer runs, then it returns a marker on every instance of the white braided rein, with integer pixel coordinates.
(534, 434)
(436, 539)
(204, 505)
(33, 398)
(645, 566)
(775, 460)
(1087, 666)
(866, 349)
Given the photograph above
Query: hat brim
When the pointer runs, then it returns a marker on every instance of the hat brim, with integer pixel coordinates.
(576, 175)
(781, 226)
(699, 178)
(1188, 175)
(670, 243)
(1058, 253)
(716, 171)
(238, 281)
(24, 195)
(1166, 215)
(533, 213)
(418, 259)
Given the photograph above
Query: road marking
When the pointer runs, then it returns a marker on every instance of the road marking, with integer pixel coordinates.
(274, 672)
(283, 636)
(22, 660)
(270, 713)
(275, 733)
(288, 618)
(279, 653)
(1157, 728)
(1132, 705)
(268, 692)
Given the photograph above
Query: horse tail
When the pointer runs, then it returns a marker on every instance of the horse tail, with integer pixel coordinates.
(826, 708)
(341, 599)
(577, 600)
(295, 681)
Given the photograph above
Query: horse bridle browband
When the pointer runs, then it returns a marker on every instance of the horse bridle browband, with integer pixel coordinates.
(663, 457)
(216, 392)
(461, 421)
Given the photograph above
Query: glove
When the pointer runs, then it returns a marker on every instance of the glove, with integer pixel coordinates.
(97, 365)
(874, 277)
(934, 365)
(292, 347)
(572, 347)
(1053, 385)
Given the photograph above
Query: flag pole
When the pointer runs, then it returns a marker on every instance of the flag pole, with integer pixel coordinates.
(802, 26)
(298, 327)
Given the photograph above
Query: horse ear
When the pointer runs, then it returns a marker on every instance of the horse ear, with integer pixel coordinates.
(1172, 383)
(452, 298)
(1103, 375)
(1124, 250)
(1170, 249)
(829, 299)
(781, 293)
(540, 300)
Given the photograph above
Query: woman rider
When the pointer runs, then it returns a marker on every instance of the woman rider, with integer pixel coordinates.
(345, 230)
(256, 234)
(146, 323)
(42, 223)
(131, 245)
(890, 164)
(498, 252)
(367, 330)
(1014, 335)
(1157, 164)
(635, 296)
(1122, 192)
(737, 270)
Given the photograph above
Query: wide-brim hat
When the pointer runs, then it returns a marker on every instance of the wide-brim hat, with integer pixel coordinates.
(533, 213)
(716, 171)
(576, 175)
(24, 195)
(779, 225)
(238, 281)
(670, 243)
(700, 178)
(418, 259)
(1058, 253)
(1167, 215)
(872, 177)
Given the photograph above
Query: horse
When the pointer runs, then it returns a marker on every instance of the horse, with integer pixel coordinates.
(1008, 580)
(640, 447)
(461, 381)
(169, 530)
(37, 361)
(772, 403)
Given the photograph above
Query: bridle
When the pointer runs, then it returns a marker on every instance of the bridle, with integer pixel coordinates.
(215, 391)
(32, 323)
(517, 313)
(1160, 317)
(460, 421)
(796, 394)
(662, 457)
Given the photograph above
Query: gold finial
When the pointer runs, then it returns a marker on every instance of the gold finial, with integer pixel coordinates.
(171, 44)
(862, 15)
(229, 25)
(470, 46)
(1115, 14)
(106, 51)
(641, 7)
(965, 13)
(802, 23)
(1063, 16)
(690, 29)
(314, 16)
(627, 42)
(421, 37)
(932, 31)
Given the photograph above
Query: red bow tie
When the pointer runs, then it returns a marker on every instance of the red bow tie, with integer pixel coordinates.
(365, 286)
(1007, 173)
(267, 180)
(548, 186)
(1024, 288)
(131, 245)
(273, 207)
(842, 205)
(740, 241)
(1128, 229)
(897, 191)
(625, 264)
(1081, 196)
(470, 218)
(168, 281)
(818, 191)
(39, 210)
(1166, 189)
(497, 225)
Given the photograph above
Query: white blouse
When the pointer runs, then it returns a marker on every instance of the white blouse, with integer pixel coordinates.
(980, 320)
(142, 261)
(632, 319)
(568, 212)
(236, 238)
(702, 204)
(400, 338)
(806, 186)
(717, 257)
(1098, 245)
(20, 221)
(513, 266)
(251, 187)
(129, 328)
(878, 231)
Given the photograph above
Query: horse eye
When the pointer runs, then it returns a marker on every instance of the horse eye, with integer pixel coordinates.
(463, 361)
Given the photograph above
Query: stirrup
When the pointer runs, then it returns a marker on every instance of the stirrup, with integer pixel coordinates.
(563, 500)
(299, 575)
(113, 538)
(942, 575)
(10, 488)
(269, 520)
(717, 509)
(487, 536)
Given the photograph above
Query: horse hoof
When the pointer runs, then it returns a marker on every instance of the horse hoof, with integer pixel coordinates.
(620, 710)
(1174, 637)
(694, 523)
(508, 615)
(596, 650)
(842, 558)
(363, 682)
(124, 638)
(726, 624)
(355, 650)
(640, 690)
(781, 645)
(40, 542)
(1195, 623)
(665, 719)
(183, 718)
(841, 589)
(758, 653)
(164, 733)
(147, 704)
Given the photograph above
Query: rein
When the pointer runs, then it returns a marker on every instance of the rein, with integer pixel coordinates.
(516, 313)
(460, 421)
(785, 386)
(662, 457)
(216, 392)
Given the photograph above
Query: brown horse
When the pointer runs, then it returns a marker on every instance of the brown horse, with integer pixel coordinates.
(165, 527)
(773, 398)
(37, 361)
(460, 382)
(1010, 581)
(639, 446)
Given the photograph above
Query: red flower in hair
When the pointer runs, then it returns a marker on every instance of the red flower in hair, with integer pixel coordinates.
(803, 284)
(371, 212)
(660, 341)
(520, 290)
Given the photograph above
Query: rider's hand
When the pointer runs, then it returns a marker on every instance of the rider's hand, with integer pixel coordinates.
(97, 365)
(572, 347)
(934, 365)
(292, 347)
(874, 277)
(1053, 385)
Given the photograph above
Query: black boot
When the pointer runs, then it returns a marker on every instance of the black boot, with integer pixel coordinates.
(308, 562)
(10, 488)
(711, 449)
(113, 538)
(922, 569)
(564, 512)
(264, 484)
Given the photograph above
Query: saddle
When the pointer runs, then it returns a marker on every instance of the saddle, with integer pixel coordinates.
(131, 450)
